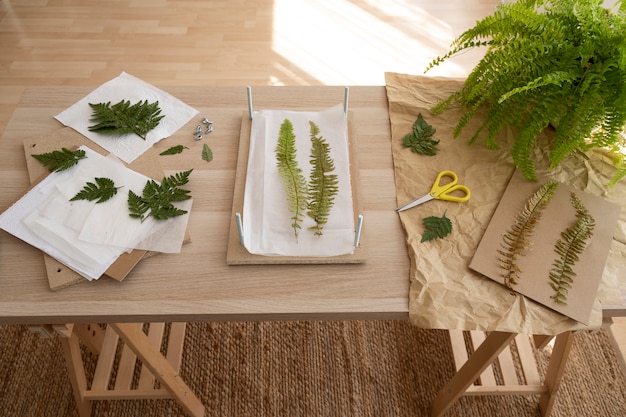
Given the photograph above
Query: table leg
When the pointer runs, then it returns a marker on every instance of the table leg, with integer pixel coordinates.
(76, 372)
(151, 357)
(486, 353)
(554, 374)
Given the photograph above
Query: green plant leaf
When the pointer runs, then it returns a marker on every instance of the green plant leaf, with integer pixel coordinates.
(436, 227)
(516, 241)
(207, 153)
(291, 174)
(323, 185)
(420, 139)
(123, 118)
(57, 161)
(102, 189)
(156, 199)
(572, 243)
(174, 150)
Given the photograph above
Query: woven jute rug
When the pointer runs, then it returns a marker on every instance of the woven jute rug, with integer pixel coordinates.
(341, 368)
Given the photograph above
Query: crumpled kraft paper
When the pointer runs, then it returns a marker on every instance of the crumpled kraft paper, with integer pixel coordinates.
(444, 292)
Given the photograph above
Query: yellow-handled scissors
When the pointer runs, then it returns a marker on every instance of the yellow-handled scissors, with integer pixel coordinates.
(441, 192)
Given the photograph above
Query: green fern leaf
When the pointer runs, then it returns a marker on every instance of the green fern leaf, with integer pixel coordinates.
(207, 153)
(173, 150)
(572, 243)
(57, 161)
(123, 118)
(323, 186)
(291, 174)
(102, 190)
(156, 199)
(516, 240)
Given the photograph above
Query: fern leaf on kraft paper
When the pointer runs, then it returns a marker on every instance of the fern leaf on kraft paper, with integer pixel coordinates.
(517, 240)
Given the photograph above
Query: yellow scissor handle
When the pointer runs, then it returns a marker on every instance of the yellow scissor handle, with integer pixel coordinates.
(443, 192)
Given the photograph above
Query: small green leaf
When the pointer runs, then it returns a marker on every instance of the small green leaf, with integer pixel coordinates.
(436, 227)
(102, 190)
(420, 140)
(207, 153)
(57, 161)
(173, 150)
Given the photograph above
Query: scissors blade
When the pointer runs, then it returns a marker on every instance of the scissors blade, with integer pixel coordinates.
(414, 203)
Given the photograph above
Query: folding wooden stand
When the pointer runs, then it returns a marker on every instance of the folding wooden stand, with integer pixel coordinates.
(155, 376)
(491, 370)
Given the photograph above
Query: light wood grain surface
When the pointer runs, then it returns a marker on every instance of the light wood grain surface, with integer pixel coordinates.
(48, 43)
(198, 284)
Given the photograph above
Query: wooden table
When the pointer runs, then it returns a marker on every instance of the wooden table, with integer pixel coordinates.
(197, 284)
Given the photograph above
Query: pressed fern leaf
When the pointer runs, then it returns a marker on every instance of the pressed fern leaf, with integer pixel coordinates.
(291, 174)
(569, 247)
(173, 150)
(123, 118)
(323, 186)
(207, 153)
(102, 189)
(420, 139)
(156, 199)
(57, 161)
(516, 241)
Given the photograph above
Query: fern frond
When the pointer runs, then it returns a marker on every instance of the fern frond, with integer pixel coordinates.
(572, 243)
(123, 117)
(516, 240)
(323, 186)
(156, 199)
(291, 174)
(57, 161)
(102, 189)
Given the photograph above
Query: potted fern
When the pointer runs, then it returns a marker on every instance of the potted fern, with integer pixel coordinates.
(559, 62)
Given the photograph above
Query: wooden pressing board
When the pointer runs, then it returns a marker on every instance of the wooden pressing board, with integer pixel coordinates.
(60, 276)
(237, 254)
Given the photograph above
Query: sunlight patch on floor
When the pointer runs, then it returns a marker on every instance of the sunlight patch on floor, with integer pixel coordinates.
(338, 42)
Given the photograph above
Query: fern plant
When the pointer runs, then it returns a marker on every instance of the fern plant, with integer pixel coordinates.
(291, 174)
(547, 61)
(322, 186)
(572, 243)
(517, 240)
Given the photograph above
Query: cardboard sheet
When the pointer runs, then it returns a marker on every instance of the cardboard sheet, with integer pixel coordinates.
(536, 263)
(445, 293)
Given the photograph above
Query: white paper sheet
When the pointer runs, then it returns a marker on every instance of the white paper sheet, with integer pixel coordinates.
(266, 219)
(85, 236)
(127, 87)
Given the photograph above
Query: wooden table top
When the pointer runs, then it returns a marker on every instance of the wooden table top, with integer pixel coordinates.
(197, 284)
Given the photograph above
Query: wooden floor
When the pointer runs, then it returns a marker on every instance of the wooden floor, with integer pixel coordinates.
(229, 42)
